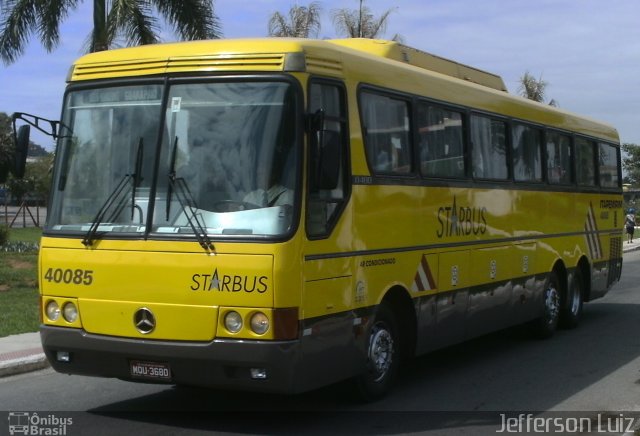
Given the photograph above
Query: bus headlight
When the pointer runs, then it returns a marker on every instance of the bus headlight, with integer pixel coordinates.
(233, 322)
(259, 323)
(52, 310)
(70, 312)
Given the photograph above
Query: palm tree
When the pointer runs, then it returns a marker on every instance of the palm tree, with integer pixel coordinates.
(302, 21)
(361, 23)
(534, 89)
(134, 21)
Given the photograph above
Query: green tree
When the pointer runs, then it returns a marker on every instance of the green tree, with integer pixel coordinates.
(534, 89)
(133, 21)
(301, 22)
(40, 172)
(6, 146)
(361, 23)
(631, 164)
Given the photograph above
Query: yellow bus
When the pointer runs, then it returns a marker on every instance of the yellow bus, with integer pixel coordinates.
(281, 214)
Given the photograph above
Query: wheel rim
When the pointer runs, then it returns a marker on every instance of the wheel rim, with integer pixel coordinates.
(380, 351)
(552, 304)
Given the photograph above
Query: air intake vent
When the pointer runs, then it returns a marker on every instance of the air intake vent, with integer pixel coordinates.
(139, 67)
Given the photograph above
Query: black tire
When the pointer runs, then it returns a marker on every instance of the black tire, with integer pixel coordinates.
(545, 326)
(571, 311)
(383, 356)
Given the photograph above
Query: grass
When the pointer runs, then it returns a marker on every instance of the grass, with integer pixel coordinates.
(19, 286)
(28, 234)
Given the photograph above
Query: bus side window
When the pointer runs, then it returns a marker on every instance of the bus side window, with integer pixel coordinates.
(559, 168)
(585, 162)
(526, 153)
(387, 133)
(609, 163)
(441, 141)
(326, 199)
(489, 148)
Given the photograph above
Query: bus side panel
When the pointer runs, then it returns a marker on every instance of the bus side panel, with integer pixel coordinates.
(453, 297)
(489, 301)
(427, 303)
(526, 285)
(330, 351)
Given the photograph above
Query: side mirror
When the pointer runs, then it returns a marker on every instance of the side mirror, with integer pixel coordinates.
(21, 141)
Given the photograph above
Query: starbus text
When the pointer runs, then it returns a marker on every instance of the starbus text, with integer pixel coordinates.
(458, 221)
(229, 283)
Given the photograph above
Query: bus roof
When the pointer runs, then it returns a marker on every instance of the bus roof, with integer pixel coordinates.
(408, 69)
(422, 59)
(265, 54)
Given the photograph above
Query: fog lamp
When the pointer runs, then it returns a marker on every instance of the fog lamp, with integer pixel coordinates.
(259, 373)
(63, 356)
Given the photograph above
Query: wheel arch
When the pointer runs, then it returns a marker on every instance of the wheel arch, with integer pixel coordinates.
(584, 268)
(403, 306)
(562, 274)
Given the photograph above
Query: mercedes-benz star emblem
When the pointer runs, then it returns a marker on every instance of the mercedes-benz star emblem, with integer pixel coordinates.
(144, 321)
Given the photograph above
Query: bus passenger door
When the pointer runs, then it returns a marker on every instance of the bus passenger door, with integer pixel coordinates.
(328, 297)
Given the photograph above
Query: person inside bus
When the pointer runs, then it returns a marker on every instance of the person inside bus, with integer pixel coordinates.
(275, 195)
(277, 192)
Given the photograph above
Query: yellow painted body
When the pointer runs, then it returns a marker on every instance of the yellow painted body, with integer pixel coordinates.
(389, 236)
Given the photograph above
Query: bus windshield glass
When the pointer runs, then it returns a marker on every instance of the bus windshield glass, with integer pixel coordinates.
(209, 157)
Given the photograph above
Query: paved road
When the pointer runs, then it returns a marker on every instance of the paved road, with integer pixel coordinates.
(592, 372)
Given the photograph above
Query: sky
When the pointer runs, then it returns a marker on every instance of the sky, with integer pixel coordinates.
(588, 51)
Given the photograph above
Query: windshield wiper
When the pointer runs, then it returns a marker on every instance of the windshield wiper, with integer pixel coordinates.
(186, 201)
(91, 234)
(118, 199)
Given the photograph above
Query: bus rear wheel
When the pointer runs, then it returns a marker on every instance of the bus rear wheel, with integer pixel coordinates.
(546, 325)
(572, 307)
(382, 356)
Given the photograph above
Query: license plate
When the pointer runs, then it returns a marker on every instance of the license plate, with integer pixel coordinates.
(150, 370)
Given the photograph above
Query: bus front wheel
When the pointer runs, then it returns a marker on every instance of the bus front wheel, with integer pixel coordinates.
(382, 356)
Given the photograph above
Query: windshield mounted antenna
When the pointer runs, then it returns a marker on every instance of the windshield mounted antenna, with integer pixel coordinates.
(187, 202)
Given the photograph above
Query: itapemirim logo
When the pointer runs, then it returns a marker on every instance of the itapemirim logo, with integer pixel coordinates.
(33, 423)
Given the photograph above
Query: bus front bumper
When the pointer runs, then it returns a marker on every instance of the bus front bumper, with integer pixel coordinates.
(246, 365)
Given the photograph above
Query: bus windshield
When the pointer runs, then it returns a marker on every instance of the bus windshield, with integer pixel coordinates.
(215, 157)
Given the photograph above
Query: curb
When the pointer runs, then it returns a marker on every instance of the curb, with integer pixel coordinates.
(628, 250)
(19, 362)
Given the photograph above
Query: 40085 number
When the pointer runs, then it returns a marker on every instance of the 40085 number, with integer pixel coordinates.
(69, 276)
